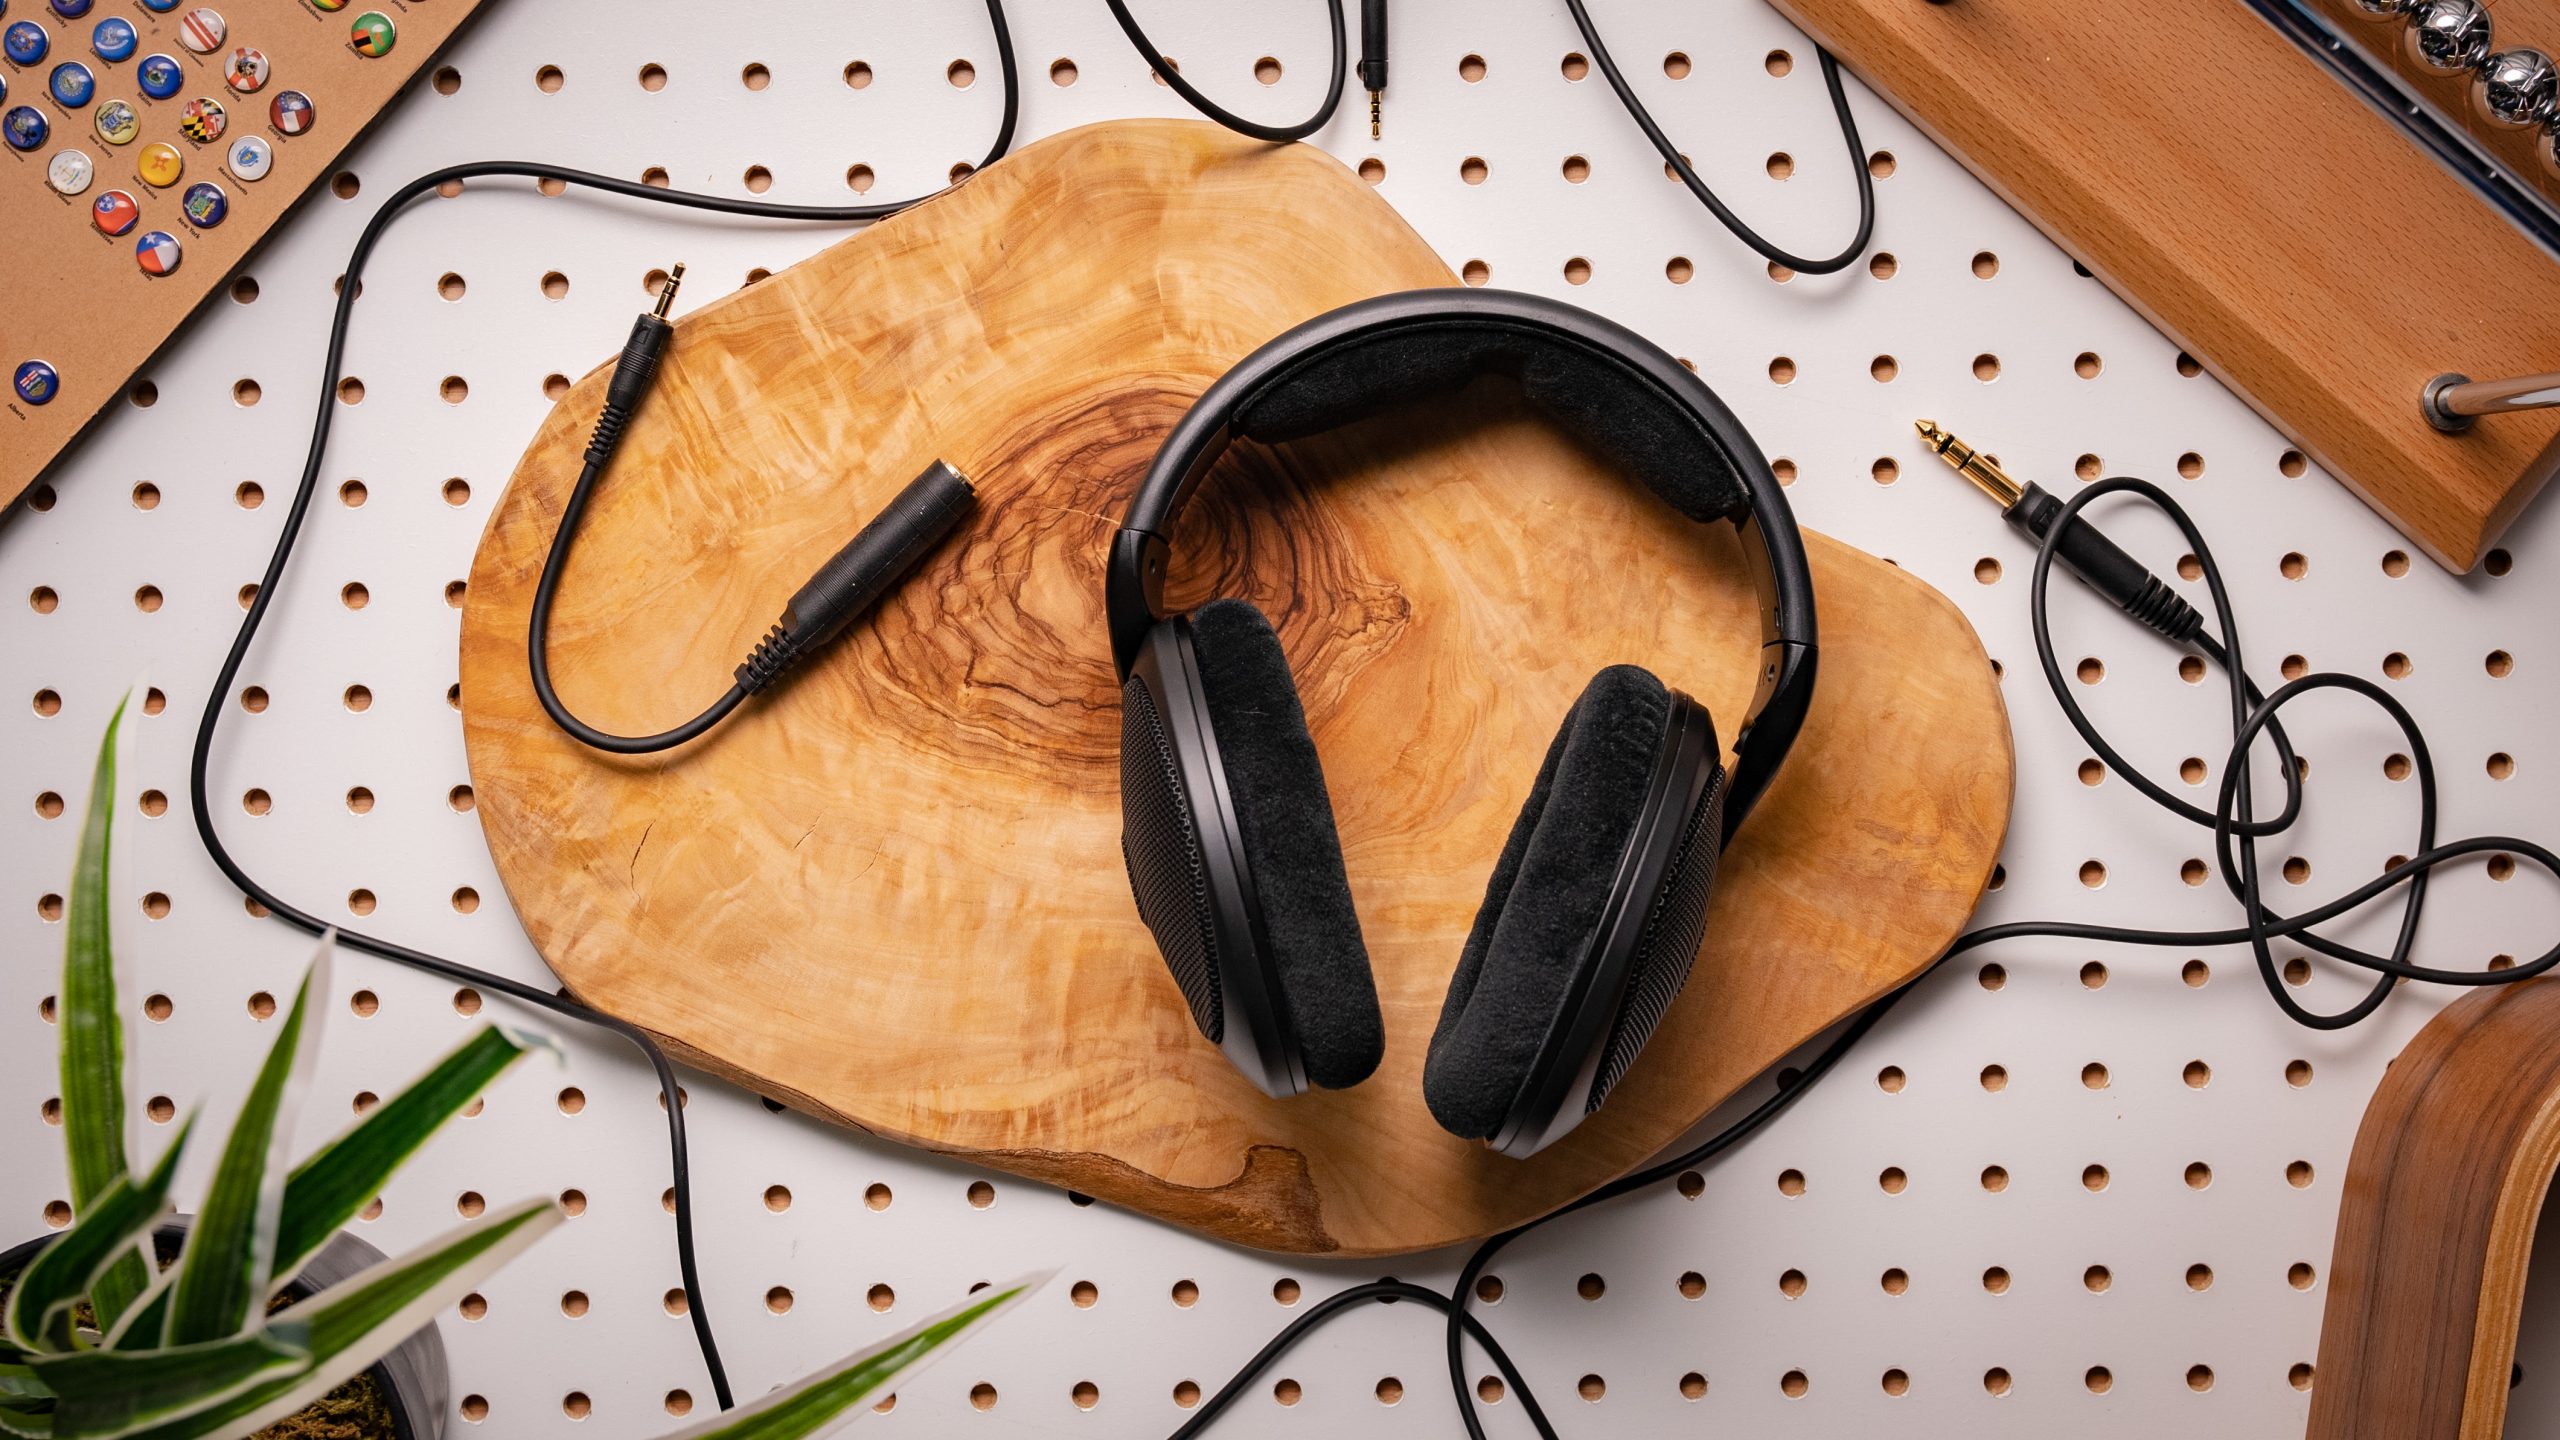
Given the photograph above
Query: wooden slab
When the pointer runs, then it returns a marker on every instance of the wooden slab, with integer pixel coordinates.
(891, 893)
(2260, 214)
(2518, 21)
(77, 299)
(2435, 1227)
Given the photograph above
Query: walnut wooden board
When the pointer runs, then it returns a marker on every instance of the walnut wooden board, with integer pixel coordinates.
(891, 892)
(2435, 1229)
(2253, 208)
(77, 298)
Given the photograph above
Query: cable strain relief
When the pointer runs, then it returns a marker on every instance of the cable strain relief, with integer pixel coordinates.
(2163, 610)
(773, 655)
(608, 434)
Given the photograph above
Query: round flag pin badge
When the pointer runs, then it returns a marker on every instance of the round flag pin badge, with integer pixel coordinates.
(373, 34)
(247, 70)
(114, 213)
(114, 39)
(291, 112)
(72, 85)
(332, 6)
(161, 7)
(36, 383)
(205, 204)
(159, 76)
(202, 29)
(157, 253)
(160, 164)
(69, 172)
(72, 9)
(251, 158)
(116, 122)
(25, 42)
(203, 119)
(25, 127)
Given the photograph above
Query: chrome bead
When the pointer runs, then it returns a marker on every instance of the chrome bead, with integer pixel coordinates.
(2546, 148)
(2381, 9)
(2447, 36)
(2515, 89)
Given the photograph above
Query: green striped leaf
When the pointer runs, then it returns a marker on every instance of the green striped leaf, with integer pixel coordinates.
(41, 1299)
(101, 1394)
(231, 1248)
(92, 1035)
(354, 1323)
(328, 1189)
(148, 1319)
(818, 1402)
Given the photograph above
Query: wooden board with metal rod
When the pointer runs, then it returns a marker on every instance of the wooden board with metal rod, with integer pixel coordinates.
(2286, 234)
(891, 892)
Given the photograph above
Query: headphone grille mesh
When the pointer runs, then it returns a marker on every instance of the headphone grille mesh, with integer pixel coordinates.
(1667, 946)
(1161, 846)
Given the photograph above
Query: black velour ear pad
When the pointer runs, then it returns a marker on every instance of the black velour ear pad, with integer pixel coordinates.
(1277, 788)
(1544, 900)
(1611, 406)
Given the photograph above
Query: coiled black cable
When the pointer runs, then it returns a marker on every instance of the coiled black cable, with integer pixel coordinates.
(1213, 110)
(220, 691)
(2232, 820)
(1715, 205)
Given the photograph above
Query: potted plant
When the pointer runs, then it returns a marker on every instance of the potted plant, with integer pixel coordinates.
(257, 1317)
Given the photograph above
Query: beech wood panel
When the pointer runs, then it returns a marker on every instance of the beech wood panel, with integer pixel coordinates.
(2435, 1229)
(2259, 213)
(890, 892)
(2530, 23)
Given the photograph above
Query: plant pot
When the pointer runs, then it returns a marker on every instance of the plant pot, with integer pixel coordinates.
(415, 1384)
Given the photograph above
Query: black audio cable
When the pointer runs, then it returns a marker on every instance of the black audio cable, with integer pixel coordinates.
(1672, 157)
(2060, 534)
(1255, 129)
(847, 585)
(266, 900)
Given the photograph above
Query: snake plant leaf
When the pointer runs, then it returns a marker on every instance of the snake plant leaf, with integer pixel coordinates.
(144, 1323)
(356, 1322)
(40, 1302)
(103, 1394)
(231, 1248)
(92, 1036)
(328, 1189)
(819, 1403)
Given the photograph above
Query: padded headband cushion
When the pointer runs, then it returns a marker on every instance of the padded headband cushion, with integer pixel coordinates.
(1610, 405)
(1544, 900)
(1277, 788)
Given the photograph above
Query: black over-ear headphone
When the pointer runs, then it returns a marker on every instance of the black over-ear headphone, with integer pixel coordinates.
(1598, 901)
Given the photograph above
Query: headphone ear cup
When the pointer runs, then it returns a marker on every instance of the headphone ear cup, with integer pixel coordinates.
(1284, 818)
(1631, 770)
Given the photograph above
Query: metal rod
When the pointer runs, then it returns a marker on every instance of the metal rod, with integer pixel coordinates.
(2451, 401)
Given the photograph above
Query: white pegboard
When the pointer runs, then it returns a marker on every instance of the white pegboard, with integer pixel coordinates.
(1801, 1291)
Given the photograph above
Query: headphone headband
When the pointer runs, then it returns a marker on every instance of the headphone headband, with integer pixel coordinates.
(1621, 392)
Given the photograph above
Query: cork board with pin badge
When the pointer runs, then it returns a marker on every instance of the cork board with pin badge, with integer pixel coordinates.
(147, 147)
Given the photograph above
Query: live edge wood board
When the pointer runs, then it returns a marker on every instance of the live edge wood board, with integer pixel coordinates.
(890, 892)
(2288, 236)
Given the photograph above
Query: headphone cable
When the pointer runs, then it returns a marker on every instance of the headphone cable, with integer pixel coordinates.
(267, 901)
(2060, 533)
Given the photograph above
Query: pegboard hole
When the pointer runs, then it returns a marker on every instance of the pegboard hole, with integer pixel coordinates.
(1489, 1289)
(1985, 265)
(2096, 1279)
(1676, 65)
(876, 1196)
(572, 1100)
(1373, 170)
(1890, 1080)
(1995, 1178)
(778, 1300)
(146, 496)
(675, 1302)
(981, 1194)
(555, 286)
(2093, 1178)
(2502, 867)
(457, 492)
(758, 179)
(1576, 169)
(2197, 1074)
(244, 291)
(475, 1408)
(1780, 165)
(1883, 368)
(2093, 1076)
(344, 185)
(1577, 271)
(1589, 1287)
(2199, 1378)
(755, 76)
(147, 599)
(470, 1204)
(1794, 1384)
(2501, 765)
(576, 1405)
(1996, 1280)
(2190, 465)
(2293, 566)
(1471, 68)
(2300, 1275)
(1778, 62)
(573, 1303)
(262, 1006)
(1992, 976)
(961, 74)
(679, 1402)
(655, 177)
(1691, 1184)
(359, 801)
(1895, 1281)
(1986, 368)
(1995, 1078)
(1892, 1180)
(1286, 1290)
(548, 79)
(2092, 773)
(858, 75)
(2298, 1174)
(1473, 170)
(1881, 164)
(2087, 365)
(2199, 1277)
(2099, 1380)
(2199, 1175)
(1885, 471)
(350, 391)
(1062, 72)
(1882, 265)
(653, 77)
(1085, 1395)
(2093, 873)
(1782, 370)
(1286, 1392)
(357, 698)
(1267, 70)
(1791, 1284)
